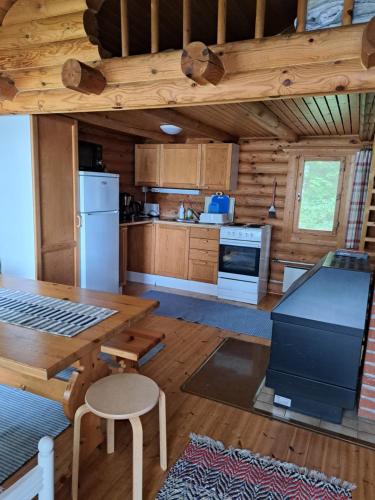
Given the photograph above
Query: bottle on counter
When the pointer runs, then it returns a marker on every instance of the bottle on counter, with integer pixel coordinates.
(189, 214)
(181, 211)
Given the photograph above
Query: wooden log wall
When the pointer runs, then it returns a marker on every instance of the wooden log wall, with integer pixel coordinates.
(118, 154)
(261, 161)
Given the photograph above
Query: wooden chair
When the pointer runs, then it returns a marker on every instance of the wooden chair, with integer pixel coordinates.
(39, 480)
(124, 396)
(129, 346)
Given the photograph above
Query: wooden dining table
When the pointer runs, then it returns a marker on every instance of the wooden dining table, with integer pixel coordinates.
(32, 359)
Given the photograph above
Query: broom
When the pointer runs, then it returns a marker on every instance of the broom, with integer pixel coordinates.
(272, 209)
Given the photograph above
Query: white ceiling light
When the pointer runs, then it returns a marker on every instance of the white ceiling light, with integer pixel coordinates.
(170, 129)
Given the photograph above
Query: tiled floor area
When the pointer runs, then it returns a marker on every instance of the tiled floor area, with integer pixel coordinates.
(353, 427)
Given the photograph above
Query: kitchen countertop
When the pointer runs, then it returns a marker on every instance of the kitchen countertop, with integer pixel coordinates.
(170, 221)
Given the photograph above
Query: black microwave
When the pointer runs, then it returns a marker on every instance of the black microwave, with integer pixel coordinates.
(90, 156)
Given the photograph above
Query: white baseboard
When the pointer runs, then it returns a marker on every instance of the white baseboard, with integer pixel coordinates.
(179, 284)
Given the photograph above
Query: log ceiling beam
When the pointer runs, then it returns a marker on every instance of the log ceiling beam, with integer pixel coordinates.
(189, 125)
(258, 113)
(8, 90)
(201, 64)
(368, 45)
(119, 124)
(78, 76)
(5, 5)
(302, 64)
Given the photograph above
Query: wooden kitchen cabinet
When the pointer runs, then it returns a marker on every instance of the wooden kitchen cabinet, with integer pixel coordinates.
(171, 250)
(204, 271)
(147, 165)
(219, 168)
(123, 255)
(180, 165)
(141, 248)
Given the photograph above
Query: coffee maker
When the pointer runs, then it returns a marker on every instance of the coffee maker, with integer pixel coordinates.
(129, 208)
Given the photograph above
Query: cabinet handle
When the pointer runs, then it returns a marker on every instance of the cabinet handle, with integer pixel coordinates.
(78, 221)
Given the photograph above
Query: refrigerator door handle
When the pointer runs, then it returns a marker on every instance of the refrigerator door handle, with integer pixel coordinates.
(106, 212)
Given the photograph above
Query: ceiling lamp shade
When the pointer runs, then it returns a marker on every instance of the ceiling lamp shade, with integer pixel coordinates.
(170, 129)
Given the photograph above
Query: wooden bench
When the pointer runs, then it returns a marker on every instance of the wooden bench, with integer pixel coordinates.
(129, 346)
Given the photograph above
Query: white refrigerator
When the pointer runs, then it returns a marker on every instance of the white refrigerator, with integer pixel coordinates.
(99, 231)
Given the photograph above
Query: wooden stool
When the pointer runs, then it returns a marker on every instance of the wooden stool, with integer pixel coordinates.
(125, 396)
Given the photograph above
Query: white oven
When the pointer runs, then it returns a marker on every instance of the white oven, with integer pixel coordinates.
(243, 262)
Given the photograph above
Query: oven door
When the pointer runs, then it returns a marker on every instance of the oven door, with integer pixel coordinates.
(239, 260)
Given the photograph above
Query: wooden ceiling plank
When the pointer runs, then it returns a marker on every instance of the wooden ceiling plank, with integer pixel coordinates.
(362, 116)
(325, 112)
(343, 102)
(305, 110)
(369, 110)
(354, 112)
(106, 121)
(300, 116)
(315, 111)
(282, 111)
(198, 127)
(335, 112)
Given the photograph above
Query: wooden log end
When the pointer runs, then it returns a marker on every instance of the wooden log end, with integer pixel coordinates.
(368, 45)
(78, 76)
(8, 90)
(201, 64)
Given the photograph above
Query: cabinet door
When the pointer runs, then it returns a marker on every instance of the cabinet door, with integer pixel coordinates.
(55, 141)
(172, 251)
(141, 248)
(204, 271)
(147, 171)
(219, 170)
(180, 165)
(123, 255)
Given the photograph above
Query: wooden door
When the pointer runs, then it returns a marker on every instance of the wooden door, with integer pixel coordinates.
(147, 164)
(141, 248)
(180, 165)
(172, 251)
(219, 169)
(123, 255)
(55, 143)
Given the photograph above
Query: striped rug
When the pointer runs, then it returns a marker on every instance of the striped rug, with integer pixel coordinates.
(46, 314)
(208, 471)
(24, 419)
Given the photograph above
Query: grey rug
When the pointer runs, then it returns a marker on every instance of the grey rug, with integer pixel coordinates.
(24, 419)
(46, 314)
(212, 313)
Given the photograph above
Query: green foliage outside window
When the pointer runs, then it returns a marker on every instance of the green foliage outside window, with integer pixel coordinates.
(319, 195)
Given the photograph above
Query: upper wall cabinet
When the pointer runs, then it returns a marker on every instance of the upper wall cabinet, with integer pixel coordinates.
(147, 165)
(180, 165)
(219, 170)
(204, 166)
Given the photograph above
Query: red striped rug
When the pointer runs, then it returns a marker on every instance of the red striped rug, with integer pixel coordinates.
(207, 470)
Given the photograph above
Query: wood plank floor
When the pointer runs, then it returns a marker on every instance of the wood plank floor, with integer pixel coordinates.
(188, 345)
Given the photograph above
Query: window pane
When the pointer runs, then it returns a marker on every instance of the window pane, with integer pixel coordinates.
(319, 193)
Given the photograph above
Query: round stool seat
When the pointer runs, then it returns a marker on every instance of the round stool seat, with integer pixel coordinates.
(122, 396)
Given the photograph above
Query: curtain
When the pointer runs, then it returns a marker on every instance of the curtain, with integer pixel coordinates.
(362, 164)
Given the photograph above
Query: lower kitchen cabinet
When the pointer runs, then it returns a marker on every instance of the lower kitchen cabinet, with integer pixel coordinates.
(171, 251)
(123, 255)
(203, 270)
(141, 253)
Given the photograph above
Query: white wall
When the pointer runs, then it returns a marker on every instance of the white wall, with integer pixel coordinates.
(17, 253)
